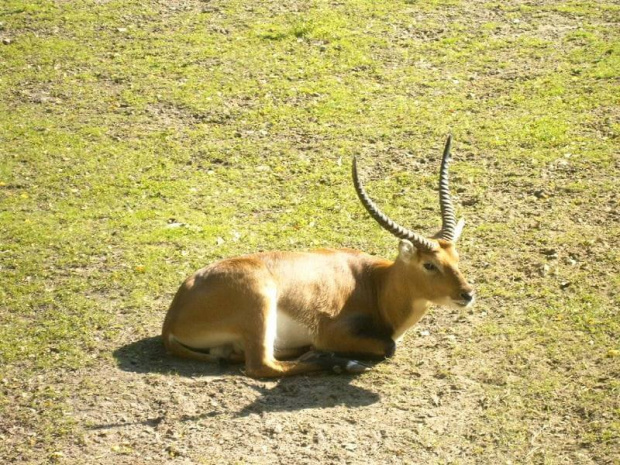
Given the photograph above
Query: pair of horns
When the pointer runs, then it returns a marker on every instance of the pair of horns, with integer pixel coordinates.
(450, 229)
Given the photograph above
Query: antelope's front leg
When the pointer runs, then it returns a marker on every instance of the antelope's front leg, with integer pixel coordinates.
(331, 361)
(357, 336)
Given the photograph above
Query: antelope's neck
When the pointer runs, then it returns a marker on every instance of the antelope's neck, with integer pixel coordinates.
(399, 306)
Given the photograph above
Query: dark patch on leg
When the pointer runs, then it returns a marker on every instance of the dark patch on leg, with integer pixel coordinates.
(367, 326)
(390, 349)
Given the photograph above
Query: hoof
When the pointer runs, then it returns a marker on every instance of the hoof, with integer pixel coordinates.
(390, 349)
(353, 366)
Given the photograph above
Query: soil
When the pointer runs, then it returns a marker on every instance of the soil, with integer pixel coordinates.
(177, 411)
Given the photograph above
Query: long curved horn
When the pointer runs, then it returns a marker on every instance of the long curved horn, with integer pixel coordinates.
(385, 222)
(448, 220)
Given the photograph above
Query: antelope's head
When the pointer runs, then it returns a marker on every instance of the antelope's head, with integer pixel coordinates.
(431, 264)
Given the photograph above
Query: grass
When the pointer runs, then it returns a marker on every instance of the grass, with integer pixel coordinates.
(142, 140)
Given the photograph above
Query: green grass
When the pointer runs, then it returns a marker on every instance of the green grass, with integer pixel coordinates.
(239, 120)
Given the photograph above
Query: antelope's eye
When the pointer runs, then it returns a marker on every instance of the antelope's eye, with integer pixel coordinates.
(430, 267)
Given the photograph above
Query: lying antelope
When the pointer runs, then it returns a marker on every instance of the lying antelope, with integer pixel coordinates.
(325, 307)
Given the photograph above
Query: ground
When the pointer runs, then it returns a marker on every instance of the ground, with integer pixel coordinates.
(141, 140)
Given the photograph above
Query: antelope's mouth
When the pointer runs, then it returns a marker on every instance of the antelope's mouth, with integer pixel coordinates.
(464, 303)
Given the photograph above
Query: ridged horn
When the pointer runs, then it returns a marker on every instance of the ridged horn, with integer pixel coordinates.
(385, 222)
(448, 220)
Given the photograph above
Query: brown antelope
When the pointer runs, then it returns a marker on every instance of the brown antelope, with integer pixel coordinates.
(325, 307)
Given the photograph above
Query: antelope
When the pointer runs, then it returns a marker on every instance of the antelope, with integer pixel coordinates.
(286, 313)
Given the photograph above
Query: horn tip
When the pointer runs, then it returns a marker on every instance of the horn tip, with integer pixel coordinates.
(446, 151)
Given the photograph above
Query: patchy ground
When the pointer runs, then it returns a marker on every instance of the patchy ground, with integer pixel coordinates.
(141, 140)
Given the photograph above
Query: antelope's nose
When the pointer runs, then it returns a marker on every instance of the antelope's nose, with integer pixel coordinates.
(468, 296)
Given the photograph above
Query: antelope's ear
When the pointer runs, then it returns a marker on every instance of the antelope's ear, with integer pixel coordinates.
(406, 250)
(458, 230)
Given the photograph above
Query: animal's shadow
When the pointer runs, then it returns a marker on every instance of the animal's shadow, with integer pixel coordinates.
(309, 392)
(287, 394)
(149, 356)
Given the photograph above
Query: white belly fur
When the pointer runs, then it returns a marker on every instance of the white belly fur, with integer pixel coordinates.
(291, 334)
(206, 340)
(288, 334)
